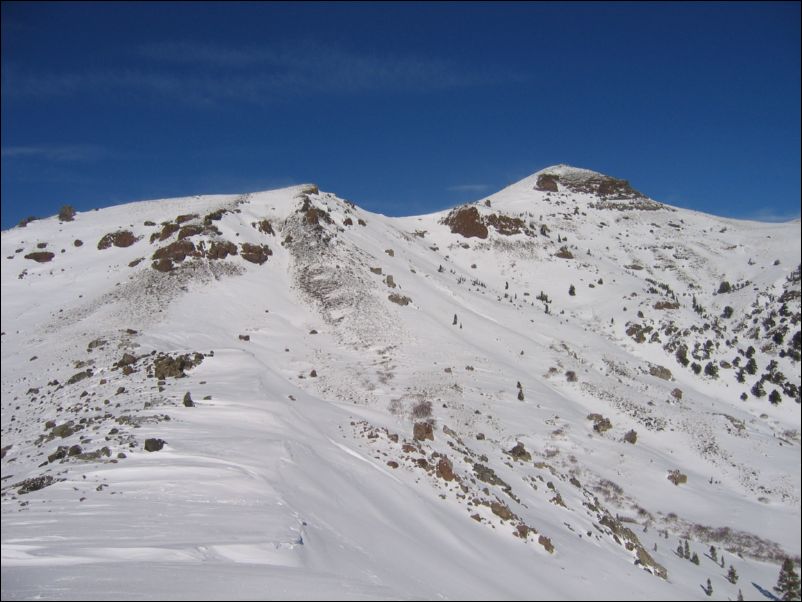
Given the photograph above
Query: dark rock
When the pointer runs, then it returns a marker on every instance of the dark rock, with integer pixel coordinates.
(121, 238)
(519, 453)
(547, 182)
(445, 469)
(255, 253)
(188, 400)
(399, 299)
(34, 484)
(466, 222)
(422, 431)
(152, 445)
(40, 256)
(660, 372)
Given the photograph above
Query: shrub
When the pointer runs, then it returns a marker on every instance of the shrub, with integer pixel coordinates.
(631, 437)
(66, 213)
(570, 375)
(421, 410)
(676, 477)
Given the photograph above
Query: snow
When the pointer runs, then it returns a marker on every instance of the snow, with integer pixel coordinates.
(278, 485)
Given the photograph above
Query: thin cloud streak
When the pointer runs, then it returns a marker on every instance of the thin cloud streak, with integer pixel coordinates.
(79, 153)
(207, 75)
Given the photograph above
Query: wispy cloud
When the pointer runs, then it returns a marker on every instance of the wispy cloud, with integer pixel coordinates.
(468, 188)
(770, 214)
(204, 74)
(79, 153)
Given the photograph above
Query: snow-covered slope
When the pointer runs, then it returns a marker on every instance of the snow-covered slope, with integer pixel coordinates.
(491, 402)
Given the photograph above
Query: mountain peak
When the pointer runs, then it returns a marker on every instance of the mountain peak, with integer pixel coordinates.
(561, 177)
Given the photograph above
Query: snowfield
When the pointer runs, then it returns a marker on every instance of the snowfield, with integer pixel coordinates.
(492, 402)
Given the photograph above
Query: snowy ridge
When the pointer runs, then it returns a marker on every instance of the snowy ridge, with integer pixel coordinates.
(489, 402)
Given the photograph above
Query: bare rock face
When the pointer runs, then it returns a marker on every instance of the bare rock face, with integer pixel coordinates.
(445, 470)
(121, 238)
(422, 431)
(153, 445)
(466, 222)
(399, 299)
(255, 253)
(547, 183)
(40, 256)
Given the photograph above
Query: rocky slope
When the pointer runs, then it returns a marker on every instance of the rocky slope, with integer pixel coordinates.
(538, 395)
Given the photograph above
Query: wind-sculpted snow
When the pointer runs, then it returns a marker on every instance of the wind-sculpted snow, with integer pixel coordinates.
(546, 394)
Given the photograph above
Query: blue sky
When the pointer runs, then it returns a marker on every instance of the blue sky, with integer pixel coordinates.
(401, 108)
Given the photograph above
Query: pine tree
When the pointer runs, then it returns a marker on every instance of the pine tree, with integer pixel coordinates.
(740, 596)
(788, 582)
(732, 576)
(679, 550)
(572, 291)
(686, 551)
(713, 553)
(709, 588)
(695, 558)
(454, 323)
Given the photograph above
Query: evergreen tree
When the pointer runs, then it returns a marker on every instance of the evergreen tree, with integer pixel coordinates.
(709, 588)
(740, 596)
(572, 291)
(787, 587)
(679, 550)
(686, 551)
(695, 558)
(732, 576)
(713, 553)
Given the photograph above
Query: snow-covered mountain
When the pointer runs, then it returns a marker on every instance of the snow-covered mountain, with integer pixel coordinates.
(540, 395)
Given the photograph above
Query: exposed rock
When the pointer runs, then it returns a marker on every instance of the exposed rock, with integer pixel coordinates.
(502, 511)
(152, 445)
(506, 225)
(546, 543)
(519, 453)
(165, 366)
(176, 251)
(445, 470)
(188, 400)
(34, 484)
(190, 230)
(40, 256)
(220, 249)
(79, 376)
(121, 238)
(666, 305)
(660, 372)
(166, 232)
(600, 423)
(255, 253)
(547, 183)
(422, 431)
(399, 299)
(466, 222)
